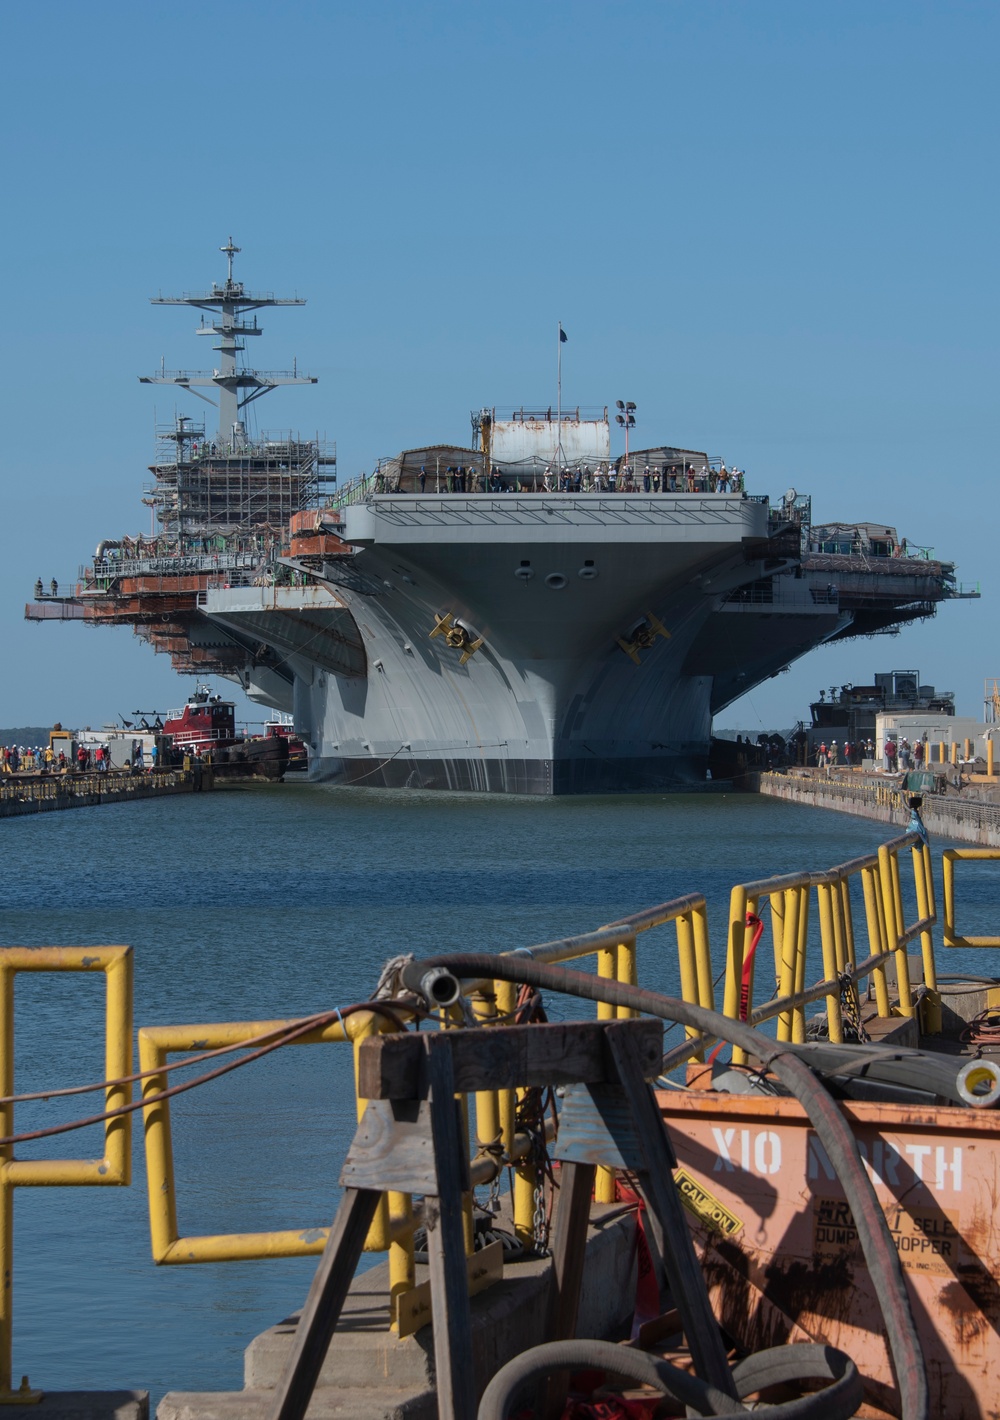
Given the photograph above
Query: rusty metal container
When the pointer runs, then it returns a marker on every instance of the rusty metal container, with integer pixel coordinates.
(780, 1251)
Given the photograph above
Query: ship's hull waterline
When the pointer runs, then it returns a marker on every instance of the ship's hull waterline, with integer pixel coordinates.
(533, 692)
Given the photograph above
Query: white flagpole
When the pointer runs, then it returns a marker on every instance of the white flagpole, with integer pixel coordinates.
(559, 346)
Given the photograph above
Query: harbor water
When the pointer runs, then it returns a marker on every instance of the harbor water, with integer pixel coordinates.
(279, 901)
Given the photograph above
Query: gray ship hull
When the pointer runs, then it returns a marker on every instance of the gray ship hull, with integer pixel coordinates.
(577, 661)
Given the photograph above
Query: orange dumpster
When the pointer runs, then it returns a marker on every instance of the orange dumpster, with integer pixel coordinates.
(780, 1251)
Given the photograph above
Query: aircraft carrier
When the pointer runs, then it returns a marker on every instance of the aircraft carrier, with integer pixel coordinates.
(526, 613)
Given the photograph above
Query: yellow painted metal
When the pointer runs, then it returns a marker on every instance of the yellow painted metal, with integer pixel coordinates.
(506, 994)
(484, 1008)
(524, 1203)
(941, 752)
(703, 957)
(949, 932)
(787, 968)
(924, 885)
(627, 974)
(799, 1012)
(888, 863)
(831, 967)
(876, 935)
(156, 1043)
(690, 986)
(115, 1168)
(607, 970)
(954, 751)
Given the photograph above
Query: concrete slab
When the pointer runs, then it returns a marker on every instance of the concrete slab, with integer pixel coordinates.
(84, 1405)
(328, 1403)
(370, 1372)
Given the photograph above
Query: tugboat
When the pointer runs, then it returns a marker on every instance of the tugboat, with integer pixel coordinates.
(206, 728)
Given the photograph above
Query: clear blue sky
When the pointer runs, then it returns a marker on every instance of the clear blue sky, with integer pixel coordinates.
(772, 225)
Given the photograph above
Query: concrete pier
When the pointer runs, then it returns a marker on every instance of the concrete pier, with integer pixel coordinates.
(372, 1374)
(950, 816)
(40, 793)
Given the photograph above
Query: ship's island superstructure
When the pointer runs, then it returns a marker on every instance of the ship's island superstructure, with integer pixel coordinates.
(526, 614)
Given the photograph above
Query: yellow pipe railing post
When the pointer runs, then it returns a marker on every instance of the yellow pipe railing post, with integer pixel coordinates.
(924, 886)
(689, 972)
(734, 952)
(506, 994)
(628, 974)
(787, 972)
(703, 958)
(604, 1186)
(607, 970)
(739, 905)
(484, 1007)
(827, 930)
(799, 1012)
(892, 900)
(115, 1167)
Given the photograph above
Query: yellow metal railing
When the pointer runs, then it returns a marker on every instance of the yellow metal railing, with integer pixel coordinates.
(888, 937)
(114, 1168)
(949, 932)
(498, 1140)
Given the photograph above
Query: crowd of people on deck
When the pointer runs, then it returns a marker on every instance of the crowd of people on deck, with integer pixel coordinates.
(897, 754)
(86, 759)
(605, 478)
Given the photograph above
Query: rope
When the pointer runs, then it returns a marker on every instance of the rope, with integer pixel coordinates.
(274, 1042)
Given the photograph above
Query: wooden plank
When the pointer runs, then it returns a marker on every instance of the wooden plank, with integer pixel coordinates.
(453, 1368)
(595, 1127)
(569, 1250)
(687, 1285)
(502, 1058)
(392, 1149)
(414, 1308)
(324, 1303)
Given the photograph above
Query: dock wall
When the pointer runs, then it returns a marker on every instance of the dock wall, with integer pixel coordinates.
(966, 820)
(30, 794)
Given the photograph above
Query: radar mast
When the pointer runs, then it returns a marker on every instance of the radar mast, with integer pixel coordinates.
(237, 385)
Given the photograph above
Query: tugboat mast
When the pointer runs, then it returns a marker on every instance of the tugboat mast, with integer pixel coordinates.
(237, 386)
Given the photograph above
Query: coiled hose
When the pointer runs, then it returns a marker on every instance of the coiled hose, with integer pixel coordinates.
(430, 978)
(837, 1401)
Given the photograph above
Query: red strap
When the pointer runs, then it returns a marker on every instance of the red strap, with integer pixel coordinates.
(758, 926)
(647, 1291)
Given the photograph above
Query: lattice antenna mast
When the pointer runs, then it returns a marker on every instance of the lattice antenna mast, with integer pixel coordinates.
(237, 386)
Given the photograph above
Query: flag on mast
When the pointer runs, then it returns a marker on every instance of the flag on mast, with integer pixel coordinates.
(563, 337)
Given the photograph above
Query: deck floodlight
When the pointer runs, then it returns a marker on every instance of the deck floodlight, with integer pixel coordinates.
(631, 405)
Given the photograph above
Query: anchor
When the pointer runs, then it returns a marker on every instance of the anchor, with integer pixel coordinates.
(456, 635)
(643, 637)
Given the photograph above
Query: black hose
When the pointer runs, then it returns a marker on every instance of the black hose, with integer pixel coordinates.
(832, 1128)
(782, 1364)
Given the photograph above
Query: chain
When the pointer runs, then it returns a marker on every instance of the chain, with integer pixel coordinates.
(850, 1008)
(530, 1120)
(539, 1222)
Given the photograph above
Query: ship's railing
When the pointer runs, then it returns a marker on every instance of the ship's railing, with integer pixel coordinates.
(112, 567)
(788, 899)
